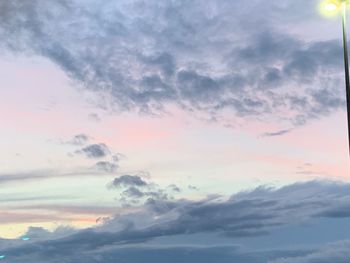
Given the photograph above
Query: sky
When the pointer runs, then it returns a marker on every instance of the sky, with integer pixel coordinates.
(172, 131)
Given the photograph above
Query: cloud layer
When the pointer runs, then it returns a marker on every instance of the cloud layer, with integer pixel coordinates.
(247, 214)
(206, 58)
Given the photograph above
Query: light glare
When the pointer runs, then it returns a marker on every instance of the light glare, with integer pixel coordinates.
(330, 8)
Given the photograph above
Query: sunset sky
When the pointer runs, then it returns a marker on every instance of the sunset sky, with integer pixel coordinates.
(172, 131)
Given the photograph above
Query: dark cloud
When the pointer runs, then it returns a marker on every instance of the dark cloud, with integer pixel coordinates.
(337, 252)
(202, 57)
(256, 212)
(134, 190)
(133, 193)
(340, 211)
(129, 180)
(187, 254)
(95, 151)
(251, 213)
(247, 214)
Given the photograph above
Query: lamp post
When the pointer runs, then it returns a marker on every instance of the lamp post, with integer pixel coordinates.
(330, 8)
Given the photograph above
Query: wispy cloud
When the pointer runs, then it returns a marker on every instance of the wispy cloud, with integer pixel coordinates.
(276, 133)
(79, 139)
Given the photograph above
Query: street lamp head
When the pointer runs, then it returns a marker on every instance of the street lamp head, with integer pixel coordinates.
(330, 8)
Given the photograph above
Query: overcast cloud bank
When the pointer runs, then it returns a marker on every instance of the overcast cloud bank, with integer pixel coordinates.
(247, 214)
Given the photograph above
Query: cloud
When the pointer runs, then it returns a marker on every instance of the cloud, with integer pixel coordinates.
(246, 214)
(47, 174)
(36, 175)
(251, 213)
(108, 162)
(95, 151)
(174, 188)
(135, 189)
(108, 167)
(220, 254)
(129, 180)
(28, 216)
(40, 233)
(342, 210)
(79, 139)
(276, 133)
(94, 117)
(15, 199)
(205, 58)
(337, 252)
(68, 209)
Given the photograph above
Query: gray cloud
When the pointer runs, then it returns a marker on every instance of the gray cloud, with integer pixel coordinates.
(276, 133)
(92, 151)
(246, 214)
(45, 174)
(94, 117)
(95, 151)
(249, 214)
(187, 254)
(342, 210)
(337, 252)
(202, 57)
(108, 167)
(15, 177)
(174, 188)
(79, 139)
(129, 180)
(134, 190)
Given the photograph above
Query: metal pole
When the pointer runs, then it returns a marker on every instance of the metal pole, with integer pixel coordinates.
(346, 64)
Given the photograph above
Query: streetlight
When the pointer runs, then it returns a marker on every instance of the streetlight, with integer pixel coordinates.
(331, 8)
